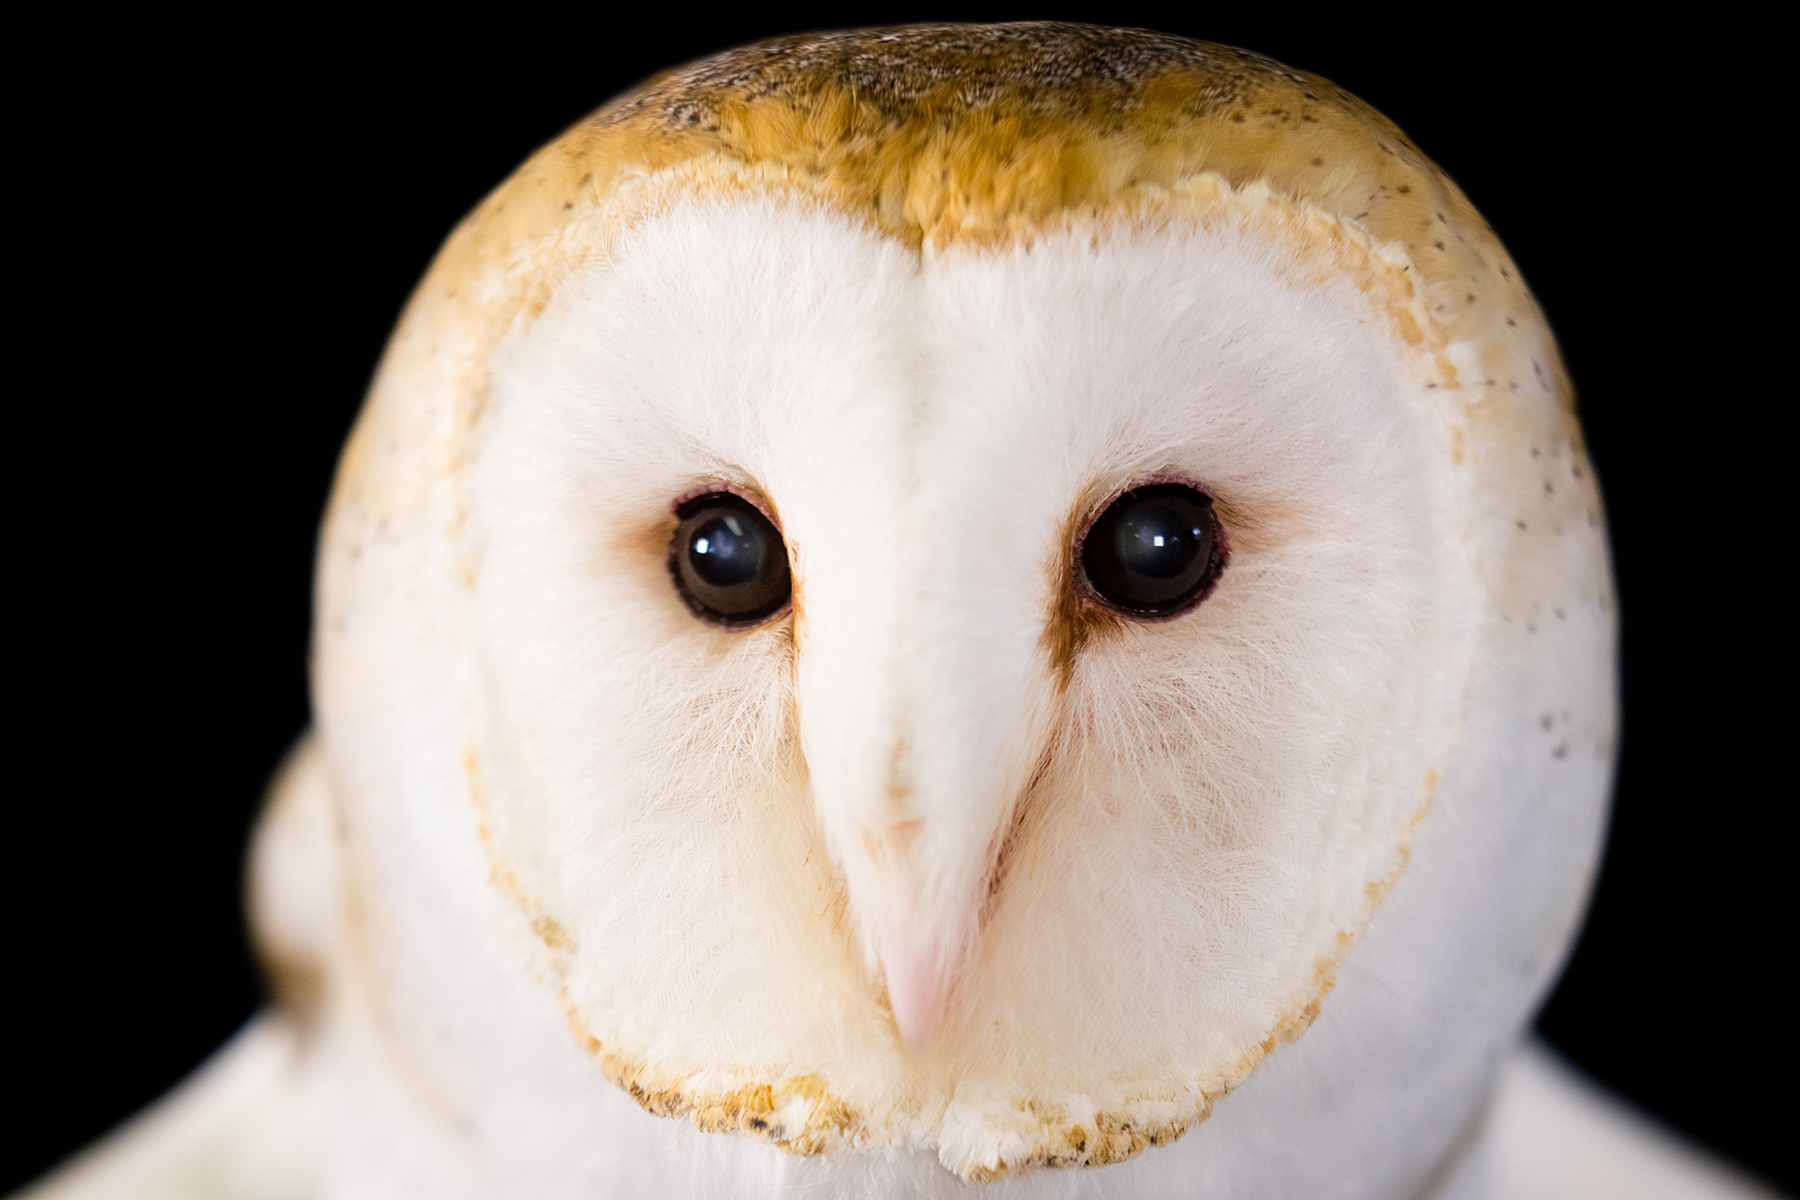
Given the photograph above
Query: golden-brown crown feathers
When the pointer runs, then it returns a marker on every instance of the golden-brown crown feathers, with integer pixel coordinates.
(942, 133)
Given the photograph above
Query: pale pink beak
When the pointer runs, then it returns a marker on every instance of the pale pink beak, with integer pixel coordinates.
(918, 986)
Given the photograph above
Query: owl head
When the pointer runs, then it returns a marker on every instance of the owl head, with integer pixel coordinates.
(952, 597)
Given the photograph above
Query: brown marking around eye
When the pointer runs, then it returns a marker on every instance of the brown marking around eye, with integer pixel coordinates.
(1258, 527)
(646, 541)
(639, 550)
(1075, 621)
(1074, 624)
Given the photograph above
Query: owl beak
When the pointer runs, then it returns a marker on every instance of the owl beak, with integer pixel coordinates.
(915, 940)
(921, 721)
(918, 986)
(917, 863)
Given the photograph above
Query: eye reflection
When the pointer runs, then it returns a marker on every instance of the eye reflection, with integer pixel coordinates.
(728, 552)
(1155, 551)
(728, 561)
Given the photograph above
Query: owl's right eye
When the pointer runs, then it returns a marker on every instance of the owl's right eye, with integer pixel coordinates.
(1155, 552)
(728, 561)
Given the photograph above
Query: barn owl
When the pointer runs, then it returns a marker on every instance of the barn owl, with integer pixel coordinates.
(947, 611)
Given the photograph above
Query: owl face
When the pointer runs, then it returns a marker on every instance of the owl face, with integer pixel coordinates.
(965, 688)
(953, 822)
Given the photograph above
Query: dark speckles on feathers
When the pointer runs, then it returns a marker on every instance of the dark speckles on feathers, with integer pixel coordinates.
(1047, 67)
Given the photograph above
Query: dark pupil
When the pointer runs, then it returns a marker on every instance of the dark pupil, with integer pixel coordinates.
(1155, 550)
(728, 561)
(727, 551)
(1153, 540)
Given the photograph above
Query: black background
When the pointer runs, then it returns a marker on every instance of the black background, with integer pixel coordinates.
(215, 227)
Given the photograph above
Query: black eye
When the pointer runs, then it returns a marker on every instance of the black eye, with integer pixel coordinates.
(1155, 551)
(729, 563)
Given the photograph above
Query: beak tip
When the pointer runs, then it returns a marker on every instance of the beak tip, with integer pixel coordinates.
(916, 994)
(917, 1030)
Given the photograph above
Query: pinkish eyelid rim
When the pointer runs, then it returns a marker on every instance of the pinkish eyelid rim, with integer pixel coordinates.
(750, 496)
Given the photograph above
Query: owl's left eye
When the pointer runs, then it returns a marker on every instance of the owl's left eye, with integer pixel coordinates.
(728, 561)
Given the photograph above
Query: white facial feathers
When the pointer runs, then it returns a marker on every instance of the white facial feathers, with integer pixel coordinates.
(1083, 877)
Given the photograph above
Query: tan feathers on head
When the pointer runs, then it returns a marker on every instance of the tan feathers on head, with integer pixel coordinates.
(947, 133)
